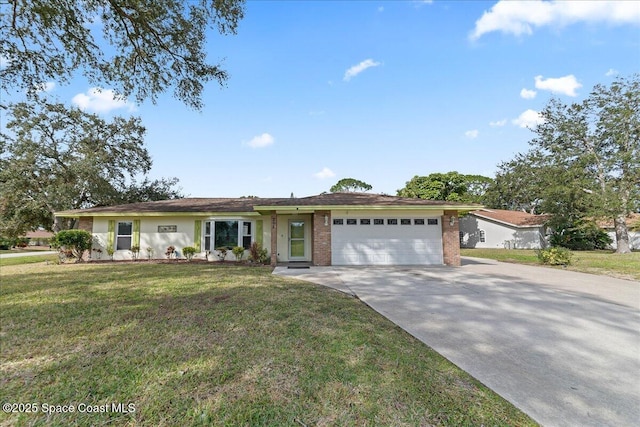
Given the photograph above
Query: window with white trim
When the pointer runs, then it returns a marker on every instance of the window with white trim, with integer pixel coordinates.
(227, 234)
(124, 235)
(482, 236)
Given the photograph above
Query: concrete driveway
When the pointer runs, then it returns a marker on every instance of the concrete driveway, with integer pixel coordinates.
(563, 347)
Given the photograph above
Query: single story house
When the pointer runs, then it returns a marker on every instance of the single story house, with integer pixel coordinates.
(327, 229)
(633, 221)
(497, 228)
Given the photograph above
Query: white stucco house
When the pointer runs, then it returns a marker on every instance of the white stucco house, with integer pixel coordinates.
(496, 228)
(634, 236)
(327, 229)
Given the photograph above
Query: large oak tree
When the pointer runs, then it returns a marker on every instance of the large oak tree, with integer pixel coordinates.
(137, 47)
(584, 161)
(56, 158)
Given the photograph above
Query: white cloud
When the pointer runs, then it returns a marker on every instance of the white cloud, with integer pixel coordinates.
(4, 61)
(472, 134)
(528, 94)
(611, 72)
(46, 87)
(498, 123)
(101, 101)
(528, 119)
(324, 173)
(521, 17)
(566, 85)
(261, 141)
(357, 69)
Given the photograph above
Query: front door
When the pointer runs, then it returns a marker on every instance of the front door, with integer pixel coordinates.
(296, 240)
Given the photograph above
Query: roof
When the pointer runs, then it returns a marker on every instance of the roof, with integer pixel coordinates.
(632, 219)
(254, 204)
(514, 218)
(38, 234)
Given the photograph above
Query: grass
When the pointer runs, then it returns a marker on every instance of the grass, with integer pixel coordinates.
(606, 263)
(198, 344)
(32, 259)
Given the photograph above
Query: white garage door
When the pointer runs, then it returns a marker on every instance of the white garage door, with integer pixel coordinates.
(386, 241)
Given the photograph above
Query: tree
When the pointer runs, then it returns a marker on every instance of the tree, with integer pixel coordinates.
(450, 186)
(57, 159)
(154, 44)
(585, 159)
(75, 241)
(346, 185)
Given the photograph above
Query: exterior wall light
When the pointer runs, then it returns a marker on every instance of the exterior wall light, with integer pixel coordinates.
(452, 220)
(326, 220)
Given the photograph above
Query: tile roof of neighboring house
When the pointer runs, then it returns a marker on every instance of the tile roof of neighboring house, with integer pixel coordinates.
(38, 234)
(515, 218)
(632, 220)
(247, 204)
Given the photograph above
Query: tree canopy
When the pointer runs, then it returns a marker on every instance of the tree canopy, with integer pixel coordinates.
(53, 158)
(350, 185)
(584, 161)
(153, 44)
(450, 186)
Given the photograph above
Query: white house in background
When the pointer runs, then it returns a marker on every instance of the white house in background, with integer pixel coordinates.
(634, 236)
(496, 228)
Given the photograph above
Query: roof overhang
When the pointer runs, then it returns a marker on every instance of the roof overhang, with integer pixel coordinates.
(74, 214)
(311, 209)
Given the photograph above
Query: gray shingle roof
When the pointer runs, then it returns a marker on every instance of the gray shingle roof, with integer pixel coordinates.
(246, 204)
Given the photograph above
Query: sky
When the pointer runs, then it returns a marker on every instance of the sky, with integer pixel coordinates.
(378, 91)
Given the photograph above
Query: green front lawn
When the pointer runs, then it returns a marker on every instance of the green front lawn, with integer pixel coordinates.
(200, 344)
(606, 263)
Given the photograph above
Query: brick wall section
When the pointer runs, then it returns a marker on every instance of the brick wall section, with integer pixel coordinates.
(451, 239)
(321, 252)
(86, 223)
(274, 238)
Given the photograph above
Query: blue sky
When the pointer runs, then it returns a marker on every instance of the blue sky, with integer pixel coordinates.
(377, 90)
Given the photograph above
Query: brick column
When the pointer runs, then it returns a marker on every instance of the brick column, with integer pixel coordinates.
(274, 239)
(451, 239)
(321, 252)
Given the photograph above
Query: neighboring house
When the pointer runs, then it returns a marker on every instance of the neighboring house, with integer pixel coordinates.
(634, 236)
(328, 229)
(39, 237)
(496, 228)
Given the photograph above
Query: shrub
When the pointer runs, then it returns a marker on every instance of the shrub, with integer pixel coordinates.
(238, 252)
(170, 251)
(135, 251)
(189, 252)
(554, 256)
(110, 252)
(150, 251)
(221, 253)
(257, 254)
(75, 242)
(579, 236)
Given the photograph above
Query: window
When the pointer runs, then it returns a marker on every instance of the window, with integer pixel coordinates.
(338, 221)
(123, 239)
(482, 236)
(246, 234)
(418, 221)
(352, 221)
(167, 229)
(378, 221)
(392, 221)
(207, 236)
(365, 221)
(227, 234)
(405, 221)
(432, 221)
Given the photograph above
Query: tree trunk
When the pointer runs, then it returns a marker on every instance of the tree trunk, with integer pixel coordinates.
(622, 235)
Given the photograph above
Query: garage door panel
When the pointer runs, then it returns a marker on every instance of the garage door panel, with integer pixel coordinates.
(386, 245)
